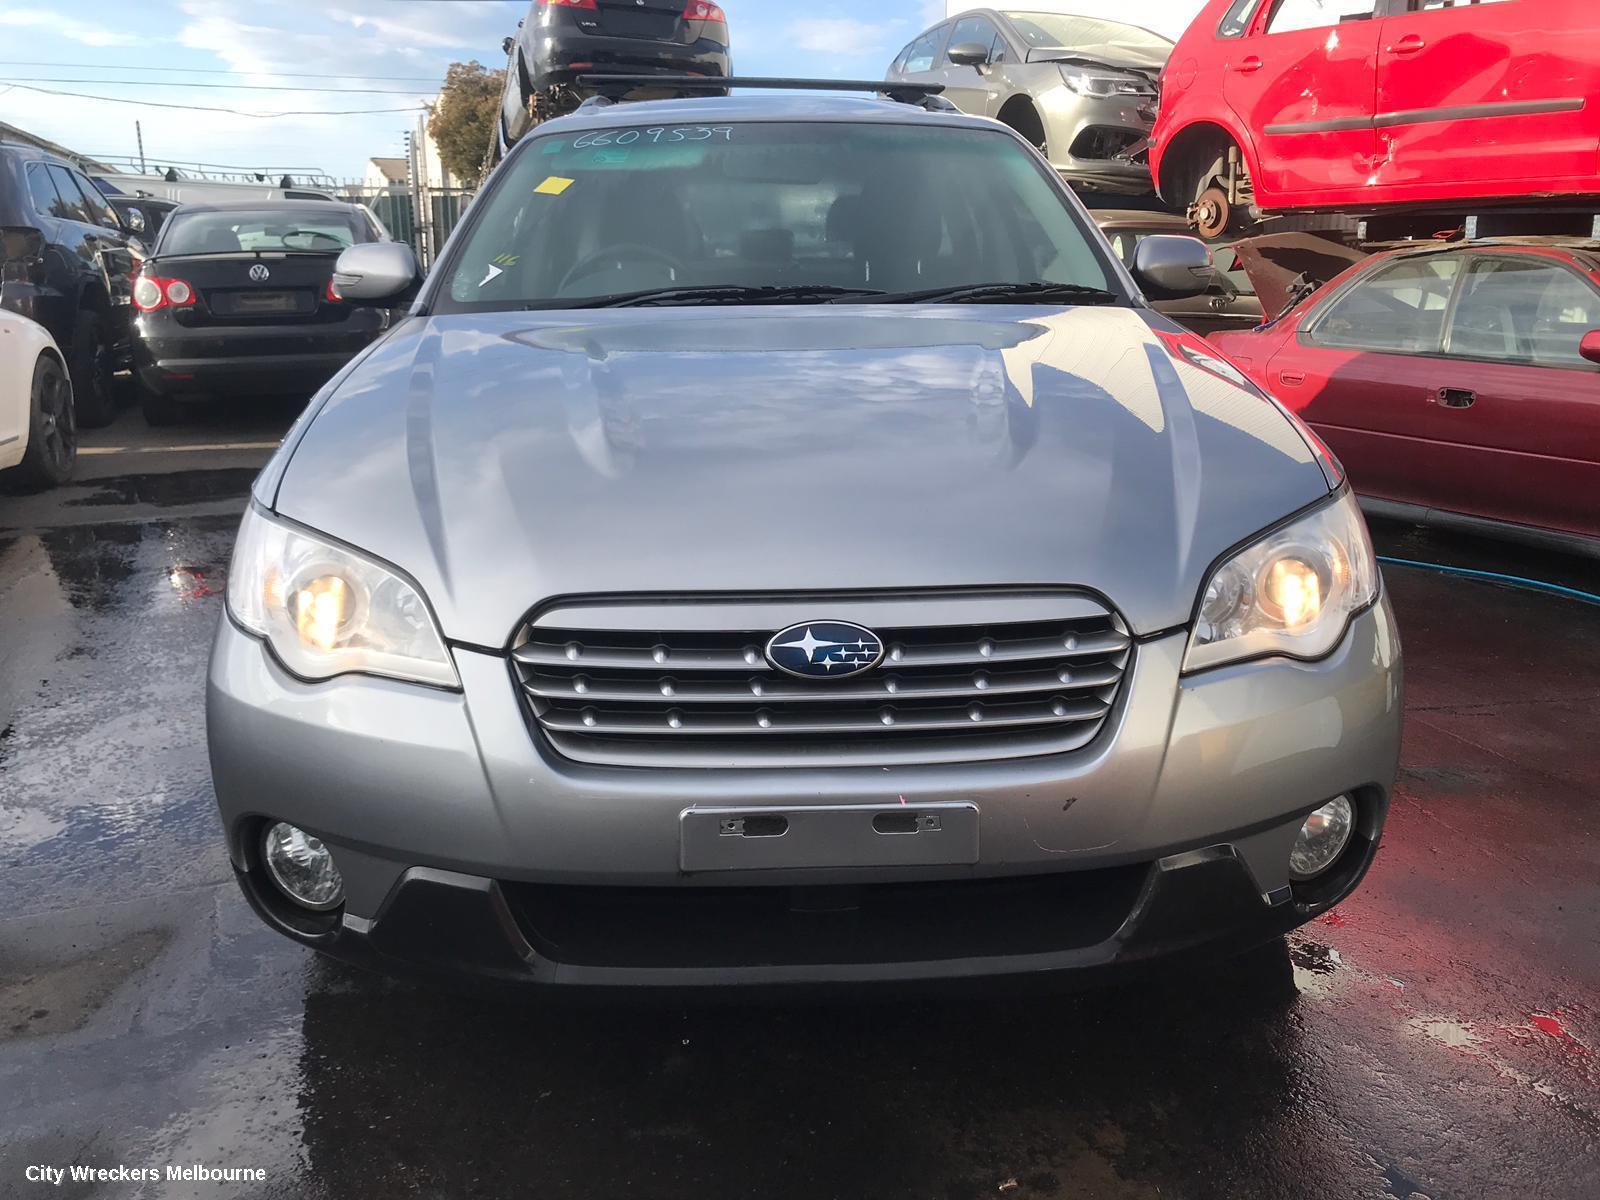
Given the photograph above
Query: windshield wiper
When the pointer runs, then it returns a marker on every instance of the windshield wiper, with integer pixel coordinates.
(1003, 293)
(729, 293)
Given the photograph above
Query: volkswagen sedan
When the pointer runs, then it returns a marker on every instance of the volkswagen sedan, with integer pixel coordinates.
(237, 298)
(783, 546)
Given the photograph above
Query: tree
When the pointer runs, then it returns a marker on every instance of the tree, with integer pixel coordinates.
(464, 119)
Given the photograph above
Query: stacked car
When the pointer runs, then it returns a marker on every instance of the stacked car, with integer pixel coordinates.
(1081, 90)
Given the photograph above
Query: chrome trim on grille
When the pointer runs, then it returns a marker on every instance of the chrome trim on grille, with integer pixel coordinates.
(683, 682)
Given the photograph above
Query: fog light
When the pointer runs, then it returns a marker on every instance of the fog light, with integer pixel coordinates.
(302, 867)
(1322, 839)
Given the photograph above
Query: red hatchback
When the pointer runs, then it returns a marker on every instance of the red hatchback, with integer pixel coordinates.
(1459, 384)
(1354, 104)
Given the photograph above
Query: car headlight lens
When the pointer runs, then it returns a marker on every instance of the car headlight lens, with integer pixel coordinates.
(1293, 592)
(1104, 84)
(327, 610)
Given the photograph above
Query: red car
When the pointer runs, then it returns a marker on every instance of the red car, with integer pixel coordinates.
(1458, 383)
(1353, 104)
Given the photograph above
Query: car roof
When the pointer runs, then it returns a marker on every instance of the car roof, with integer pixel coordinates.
(770, 106)
(37, 154)
(1527, 242)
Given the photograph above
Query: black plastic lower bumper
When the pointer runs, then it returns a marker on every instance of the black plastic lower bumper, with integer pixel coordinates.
(1065, 929)
(177, 360)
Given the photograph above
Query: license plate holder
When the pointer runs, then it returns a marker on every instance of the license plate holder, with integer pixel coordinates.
(755, 838)
(252, 304)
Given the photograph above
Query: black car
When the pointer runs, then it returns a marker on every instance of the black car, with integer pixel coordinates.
(142, 215)
(238, 299)
(65, 262)
(560, 40)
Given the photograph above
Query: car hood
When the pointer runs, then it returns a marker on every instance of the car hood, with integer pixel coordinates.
(506, 458)
(1127, 58)
(1274, 262)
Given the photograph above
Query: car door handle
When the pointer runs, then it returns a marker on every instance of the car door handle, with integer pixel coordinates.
(1292, 378)
(1456, 398)
(1409, 44)
(1249, 64)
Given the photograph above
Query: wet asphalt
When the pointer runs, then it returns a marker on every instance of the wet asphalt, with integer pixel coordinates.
(1436, 1036)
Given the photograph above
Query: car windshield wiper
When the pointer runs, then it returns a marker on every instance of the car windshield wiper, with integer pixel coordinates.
(730, 293)
(1003, 293)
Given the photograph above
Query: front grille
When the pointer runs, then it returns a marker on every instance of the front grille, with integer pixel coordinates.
(948, 689)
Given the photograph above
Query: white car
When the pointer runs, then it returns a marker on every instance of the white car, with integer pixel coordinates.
(38, 424)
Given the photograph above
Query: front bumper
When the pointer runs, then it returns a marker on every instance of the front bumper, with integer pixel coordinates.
(1069, 122)
(463, 839)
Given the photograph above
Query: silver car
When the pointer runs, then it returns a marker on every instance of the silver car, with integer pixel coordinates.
(782, 545)
(1080, 89)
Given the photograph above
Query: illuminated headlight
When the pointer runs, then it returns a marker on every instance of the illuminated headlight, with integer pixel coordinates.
(1291, 593)
(1104, 84)
(327, 610)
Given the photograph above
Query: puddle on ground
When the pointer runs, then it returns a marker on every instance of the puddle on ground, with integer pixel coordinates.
(57, 999)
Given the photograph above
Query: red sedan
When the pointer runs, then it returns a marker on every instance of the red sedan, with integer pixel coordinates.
(1458, 383)
(1356, 104)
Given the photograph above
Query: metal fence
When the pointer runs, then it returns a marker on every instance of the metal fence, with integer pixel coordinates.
(423, 217)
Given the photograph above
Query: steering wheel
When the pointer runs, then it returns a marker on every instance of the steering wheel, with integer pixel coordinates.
(310, 233)
(590, 263)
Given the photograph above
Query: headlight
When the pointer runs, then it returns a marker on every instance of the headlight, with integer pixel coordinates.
(1292, 593)
(1105, 84)
(326, 610)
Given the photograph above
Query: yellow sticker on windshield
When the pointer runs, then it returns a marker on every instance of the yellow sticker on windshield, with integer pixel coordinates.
(553, 186)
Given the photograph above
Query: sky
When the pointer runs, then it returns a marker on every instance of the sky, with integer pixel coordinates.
(199, 52)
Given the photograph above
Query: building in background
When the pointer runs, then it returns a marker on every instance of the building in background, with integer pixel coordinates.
(1169, 18)
(384, 173)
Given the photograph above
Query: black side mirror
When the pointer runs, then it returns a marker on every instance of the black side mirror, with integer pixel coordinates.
(506, 44)
(969, 54)
(1171, 267)
(136, 221)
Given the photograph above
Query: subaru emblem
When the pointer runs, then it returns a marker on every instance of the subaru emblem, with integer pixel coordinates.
(260, 273)
(824, 650)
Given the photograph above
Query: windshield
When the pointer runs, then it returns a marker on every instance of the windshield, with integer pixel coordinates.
(820, 205)
(271, 230)
(1050, 31)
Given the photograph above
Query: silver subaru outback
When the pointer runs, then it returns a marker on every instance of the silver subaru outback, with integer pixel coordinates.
(783, 546)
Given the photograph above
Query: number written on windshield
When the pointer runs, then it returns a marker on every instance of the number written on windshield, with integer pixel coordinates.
(648, 137)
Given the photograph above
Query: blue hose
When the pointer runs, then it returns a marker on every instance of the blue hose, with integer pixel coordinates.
(1532, 585)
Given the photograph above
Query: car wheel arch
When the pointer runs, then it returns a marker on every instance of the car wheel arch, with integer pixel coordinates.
(1190, 156)
(1021, 114)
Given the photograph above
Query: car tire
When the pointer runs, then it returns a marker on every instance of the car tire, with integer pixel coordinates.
(52, 431)
(89, 364)
(160, 411)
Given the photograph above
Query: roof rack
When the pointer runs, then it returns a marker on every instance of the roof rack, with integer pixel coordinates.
(924, 95)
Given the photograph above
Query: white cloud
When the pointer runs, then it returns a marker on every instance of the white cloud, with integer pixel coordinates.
(844, 35)
(83, 32)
